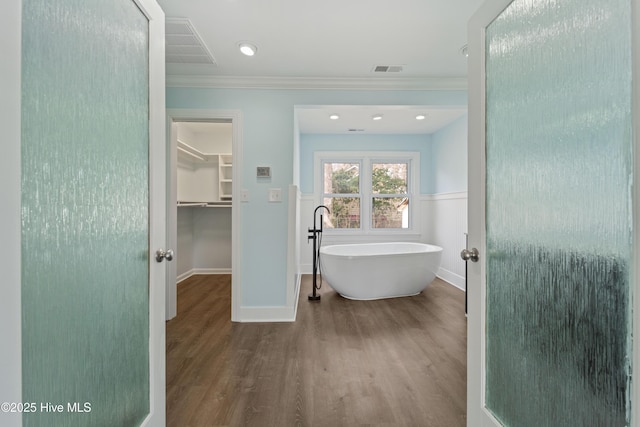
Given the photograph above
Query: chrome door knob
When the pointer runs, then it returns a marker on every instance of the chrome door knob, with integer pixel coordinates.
(472, 255)
(161, 254)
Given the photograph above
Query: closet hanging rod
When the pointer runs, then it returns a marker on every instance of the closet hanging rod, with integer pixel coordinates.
(192, 204)
(224, 204)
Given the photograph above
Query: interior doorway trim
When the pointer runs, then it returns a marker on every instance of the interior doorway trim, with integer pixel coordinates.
(181, 115)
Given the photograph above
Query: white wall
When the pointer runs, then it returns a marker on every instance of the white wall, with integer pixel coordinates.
(212, 240)
(204, 241)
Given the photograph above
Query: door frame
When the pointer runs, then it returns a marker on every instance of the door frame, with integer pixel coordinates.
(10, 216)
(157, 213)
(476, 414)
(182, 115)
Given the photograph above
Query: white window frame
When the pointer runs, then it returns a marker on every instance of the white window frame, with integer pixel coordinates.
(366, 160)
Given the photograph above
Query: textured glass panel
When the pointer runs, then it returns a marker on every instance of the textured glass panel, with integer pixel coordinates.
(345, 212)
(559, 172)
(85, 195)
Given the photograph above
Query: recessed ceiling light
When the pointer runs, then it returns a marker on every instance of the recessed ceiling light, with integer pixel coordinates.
(421, 117)
(334, 117)
(248, 49)
(377, 117)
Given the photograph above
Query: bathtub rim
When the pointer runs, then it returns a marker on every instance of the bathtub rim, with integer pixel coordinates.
(428, 248)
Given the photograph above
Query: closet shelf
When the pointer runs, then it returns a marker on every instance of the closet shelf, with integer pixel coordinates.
(196, 155)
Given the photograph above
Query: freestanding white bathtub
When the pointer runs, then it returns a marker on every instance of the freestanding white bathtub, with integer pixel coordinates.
(379, 270)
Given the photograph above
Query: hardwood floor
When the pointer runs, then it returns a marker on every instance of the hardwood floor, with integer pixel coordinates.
(392, 362)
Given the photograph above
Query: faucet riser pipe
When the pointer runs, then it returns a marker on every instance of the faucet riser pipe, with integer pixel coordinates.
(313, 235)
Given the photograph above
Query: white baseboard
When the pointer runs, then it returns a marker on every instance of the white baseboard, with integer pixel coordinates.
(297, 297)
(451, 278)
(266, 314)
(251, 314)
(195, 271)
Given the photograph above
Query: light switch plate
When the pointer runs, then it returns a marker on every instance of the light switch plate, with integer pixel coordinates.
(275, 195)
(244, 195)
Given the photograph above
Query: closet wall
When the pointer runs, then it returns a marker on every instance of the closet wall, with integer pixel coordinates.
(204, 202)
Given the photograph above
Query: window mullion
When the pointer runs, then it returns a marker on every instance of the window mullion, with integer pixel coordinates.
(366, 194)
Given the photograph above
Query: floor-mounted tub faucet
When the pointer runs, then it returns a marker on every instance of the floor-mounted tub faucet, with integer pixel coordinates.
(315, 234)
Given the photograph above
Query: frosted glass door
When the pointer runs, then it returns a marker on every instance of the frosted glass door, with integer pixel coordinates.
(85, 213)
(559, 170)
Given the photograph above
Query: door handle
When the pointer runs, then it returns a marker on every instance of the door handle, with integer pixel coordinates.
(161, 254)
(472, 254)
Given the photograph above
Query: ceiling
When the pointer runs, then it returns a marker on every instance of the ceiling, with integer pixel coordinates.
(341, 41)
(358, 119)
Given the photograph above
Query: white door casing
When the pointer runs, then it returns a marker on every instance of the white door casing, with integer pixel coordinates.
(235, 116)
(477, 415)
(157, 209)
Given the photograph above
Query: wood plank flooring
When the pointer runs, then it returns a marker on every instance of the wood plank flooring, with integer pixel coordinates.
(392, 362)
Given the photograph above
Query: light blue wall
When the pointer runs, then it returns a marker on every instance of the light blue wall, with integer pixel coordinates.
(449, 158)
(443, 155)
(268, 135)
(310, 143)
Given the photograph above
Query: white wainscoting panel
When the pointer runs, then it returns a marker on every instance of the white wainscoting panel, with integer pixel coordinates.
(445, 222)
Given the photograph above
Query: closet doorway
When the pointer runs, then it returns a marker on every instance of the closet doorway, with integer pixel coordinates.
(202, 217)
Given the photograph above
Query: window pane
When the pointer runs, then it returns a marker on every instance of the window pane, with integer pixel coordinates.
(390, 212)
(389, 178)
(341, 178)
(345, 212)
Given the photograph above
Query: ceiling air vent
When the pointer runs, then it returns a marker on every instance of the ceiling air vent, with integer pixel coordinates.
(387, 68)
(183, 43)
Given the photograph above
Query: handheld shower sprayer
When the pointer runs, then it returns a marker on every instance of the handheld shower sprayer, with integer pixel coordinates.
(315, 234)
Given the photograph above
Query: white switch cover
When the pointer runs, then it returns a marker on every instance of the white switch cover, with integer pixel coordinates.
(244, 195)
(275, 195)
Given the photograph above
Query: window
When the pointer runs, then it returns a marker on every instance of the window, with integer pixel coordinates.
(390, 199)
(342, 195)
(367, 193)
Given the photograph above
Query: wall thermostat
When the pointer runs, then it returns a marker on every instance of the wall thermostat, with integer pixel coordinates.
(263, 172)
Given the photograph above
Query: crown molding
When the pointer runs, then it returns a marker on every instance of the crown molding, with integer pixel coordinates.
(325, 83)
